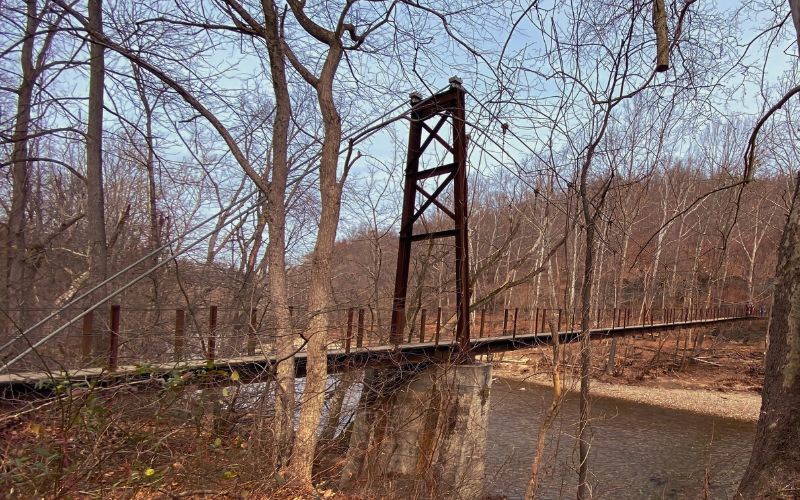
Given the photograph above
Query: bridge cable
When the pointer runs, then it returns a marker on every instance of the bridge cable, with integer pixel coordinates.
(360, 134)
(119, 290)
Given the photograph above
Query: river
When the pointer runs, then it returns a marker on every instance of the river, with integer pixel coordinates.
(637, 451)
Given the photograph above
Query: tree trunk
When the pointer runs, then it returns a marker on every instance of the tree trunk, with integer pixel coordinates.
(773, 469)
(95, 204)
(276, 229)
(584, 490)
(794, 6)
(612, 355)
(18, 279)
(320, 300)
(550, 416)
(152, 188)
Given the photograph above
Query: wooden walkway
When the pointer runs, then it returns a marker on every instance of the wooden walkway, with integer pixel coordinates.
(251, 368)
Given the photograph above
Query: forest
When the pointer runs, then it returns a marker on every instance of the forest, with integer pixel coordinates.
(188, 184)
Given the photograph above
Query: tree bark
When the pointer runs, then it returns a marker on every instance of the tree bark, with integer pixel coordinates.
(773, 470)
(152, 187)
(276, 228)
(320, 300)
(550, 416)
(794, 6)
(584, 490)
(95, 203)
(18, 279)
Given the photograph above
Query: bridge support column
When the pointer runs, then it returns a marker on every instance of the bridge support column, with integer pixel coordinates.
(425, 438)
(444, 107)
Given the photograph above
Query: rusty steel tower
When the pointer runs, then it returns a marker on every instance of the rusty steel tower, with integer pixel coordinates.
(440, 109)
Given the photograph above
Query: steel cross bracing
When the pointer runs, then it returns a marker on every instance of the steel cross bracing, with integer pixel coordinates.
(442, 108)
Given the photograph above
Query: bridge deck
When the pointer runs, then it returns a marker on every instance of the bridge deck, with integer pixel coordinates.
(253, 367)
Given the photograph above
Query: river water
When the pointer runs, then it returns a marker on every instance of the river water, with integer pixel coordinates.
(637, 451)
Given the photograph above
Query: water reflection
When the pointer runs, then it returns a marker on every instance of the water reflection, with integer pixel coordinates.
(638, 451)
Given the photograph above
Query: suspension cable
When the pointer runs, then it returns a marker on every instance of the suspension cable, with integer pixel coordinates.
(119, 290)
(126, 269)
(360, 134)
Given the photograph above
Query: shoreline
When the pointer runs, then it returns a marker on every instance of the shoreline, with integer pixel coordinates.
(736, 405)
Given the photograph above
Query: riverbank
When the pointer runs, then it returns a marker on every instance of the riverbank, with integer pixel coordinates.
(736, 405)
(720, 377)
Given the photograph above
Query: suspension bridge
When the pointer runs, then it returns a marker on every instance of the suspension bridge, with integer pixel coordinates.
(120, 355)
(33, 361)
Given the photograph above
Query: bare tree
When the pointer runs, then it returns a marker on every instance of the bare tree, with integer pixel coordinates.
(95, 198)
(772, 470)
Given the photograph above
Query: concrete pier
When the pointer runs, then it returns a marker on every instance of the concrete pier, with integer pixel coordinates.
(425, 435)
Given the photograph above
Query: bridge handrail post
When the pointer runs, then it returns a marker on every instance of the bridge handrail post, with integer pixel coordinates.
(483, 319)
(212, 334)
(251, 332)
(349, 335)
(536, 323)
(113, 340)
(514, 331)
(439, 324)
(422, 325)
(544, 314)
(360, 328)
(558, 322)
(86, 336)
(179, 337)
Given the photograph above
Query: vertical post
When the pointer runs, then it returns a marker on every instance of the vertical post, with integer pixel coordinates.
(251, 332)
(558, 323)
(438, 324)
(483, 320)
(536, 323)
(86, 336)
(422, 326)
(349, 338)
(360, 332)
(212, 333)
(505, 322)
(113, 343)
(514, 331)
(406, 225)
(461, 226)
(614, 318)
(544, 317)
(178, 341)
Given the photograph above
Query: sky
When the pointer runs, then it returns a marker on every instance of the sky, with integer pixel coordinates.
(385, 78)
